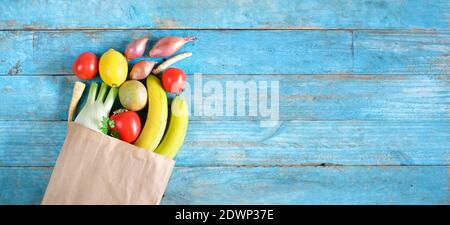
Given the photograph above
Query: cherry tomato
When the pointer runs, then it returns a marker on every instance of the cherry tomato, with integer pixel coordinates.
(174, 80)
(85, 66)
(127, 125)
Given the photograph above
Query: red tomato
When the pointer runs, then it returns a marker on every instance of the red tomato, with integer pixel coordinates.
(127, 125)
(174, 80)
(85, 66)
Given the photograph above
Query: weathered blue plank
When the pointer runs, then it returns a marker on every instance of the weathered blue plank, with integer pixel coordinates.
(215, 52)
(269, 185)
(301, 97)
(410, 52)
(243, 52)
(240, 143)
(24, 185)
(309, 185)
(15, 48)
(212, 14)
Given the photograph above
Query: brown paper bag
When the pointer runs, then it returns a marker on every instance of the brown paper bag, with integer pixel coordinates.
(93, 168)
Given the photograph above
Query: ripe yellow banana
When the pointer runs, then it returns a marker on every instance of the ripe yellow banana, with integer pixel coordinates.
(156, 122)
(176, 131)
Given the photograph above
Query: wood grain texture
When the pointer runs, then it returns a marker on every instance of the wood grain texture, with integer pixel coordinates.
(263, 185)
(301, 97)
(412, 52)
(213, 14)
(245, 143)
(215, 52)
(245, 51)
(309, 185)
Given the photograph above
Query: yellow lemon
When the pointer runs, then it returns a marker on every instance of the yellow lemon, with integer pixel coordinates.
(113, 68)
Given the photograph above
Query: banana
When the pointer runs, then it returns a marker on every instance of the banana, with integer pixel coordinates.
(156, 122)
(176, 131)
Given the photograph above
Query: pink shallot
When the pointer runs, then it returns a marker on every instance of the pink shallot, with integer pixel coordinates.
(167, 46)
(136, 48)
(141, 69)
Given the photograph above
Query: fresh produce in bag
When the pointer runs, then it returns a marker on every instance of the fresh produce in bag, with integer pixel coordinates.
(105, 156)
(93, 168)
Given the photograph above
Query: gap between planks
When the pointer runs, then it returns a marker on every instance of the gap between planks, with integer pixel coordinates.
(258, 120)
(306, 165)
(312, 75)
(226, 29)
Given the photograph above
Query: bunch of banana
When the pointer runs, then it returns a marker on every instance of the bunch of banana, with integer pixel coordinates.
(155, 125)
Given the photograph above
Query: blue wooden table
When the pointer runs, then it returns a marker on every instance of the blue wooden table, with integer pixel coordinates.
(364, 96)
